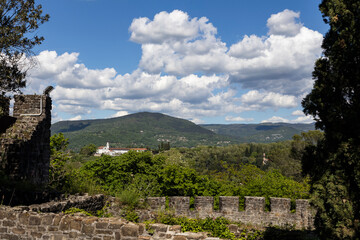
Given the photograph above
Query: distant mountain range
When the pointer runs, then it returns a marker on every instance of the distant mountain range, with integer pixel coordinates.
(150, 129)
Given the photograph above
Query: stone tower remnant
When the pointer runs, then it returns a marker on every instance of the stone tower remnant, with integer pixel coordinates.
(25, 139)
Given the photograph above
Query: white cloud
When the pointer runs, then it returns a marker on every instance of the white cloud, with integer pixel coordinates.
(301, 119)
(284, 23)
(78, 117)
(238, 119)
(298, 113)
(276, 119)
(187, 71)
(174, 26)
(197, 120)
(120, 114)
(256, 99)
(248, 47)
(280, 62)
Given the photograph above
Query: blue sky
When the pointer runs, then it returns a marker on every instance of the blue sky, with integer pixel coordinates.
(228, 61)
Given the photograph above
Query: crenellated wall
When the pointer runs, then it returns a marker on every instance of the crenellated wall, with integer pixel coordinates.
(46, 221)
(25, 139)
(254, 213)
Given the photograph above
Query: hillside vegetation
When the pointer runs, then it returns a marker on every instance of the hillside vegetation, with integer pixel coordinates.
(150, 129)
(137, 130)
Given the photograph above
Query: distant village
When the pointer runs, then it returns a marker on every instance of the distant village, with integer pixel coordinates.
(107, 150)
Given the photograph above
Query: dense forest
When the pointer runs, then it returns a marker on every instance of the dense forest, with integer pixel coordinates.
(236, 170)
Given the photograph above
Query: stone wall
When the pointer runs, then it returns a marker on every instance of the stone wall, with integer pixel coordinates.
(25, 141)
(46, 221)
(280, 214)
(16, 224)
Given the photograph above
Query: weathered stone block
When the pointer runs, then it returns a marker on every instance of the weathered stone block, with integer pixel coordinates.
(117, 236)
(18, 231)
(115, 225)
(159, 227)
(179, 237)
(56, 220)
(58, 237)
(101, 225)
(142, 228)
(73, 234)
(156, 203)
(75, 224)
(65, 223)
(87, 229)
(8, 223)
(254, 204)
(130, 230)
(9, 237)
(229, 204)
(36, 234)
(204, 205)
(280, 205)
(103, 231)
(108, 238)
(52, 228)
(181, 205)
(175, 228)
(47, 219)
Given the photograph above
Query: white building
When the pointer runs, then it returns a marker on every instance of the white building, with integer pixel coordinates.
(107, 150)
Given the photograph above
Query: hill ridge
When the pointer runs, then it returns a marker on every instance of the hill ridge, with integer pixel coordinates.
(149, 129)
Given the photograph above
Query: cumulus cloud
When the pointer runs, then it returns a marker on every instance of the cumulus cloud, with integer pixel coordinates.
(284, 23)
(300, 119)
(238, 119)
(258, 100)
(120, 114)
(186, 70)
(175, 26)
(298, 113)
(248, 47)
(78, 117)
(275, 119)
(270, 62)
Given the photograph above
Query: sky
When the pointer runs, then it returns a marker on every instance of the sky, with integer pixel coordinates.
(208, 61)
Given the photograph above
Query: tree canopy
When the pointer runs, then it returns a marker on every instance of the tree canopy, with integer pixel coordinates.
(334, 164)
(19, 19)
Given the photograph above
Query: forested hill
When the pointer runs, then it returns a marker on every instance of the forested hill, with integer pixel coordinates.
(138, 130)
(149, 129)
(260, 133)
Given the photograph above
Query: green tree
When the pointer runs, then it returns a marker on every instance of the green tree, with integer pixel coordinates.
(334, 102)
(58, 176)
(88, 150)
(19, 21)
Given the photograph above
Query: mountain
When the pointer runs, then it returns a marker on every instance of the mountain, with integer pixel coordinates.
(264, 132)
(138, 130)
(150, 129)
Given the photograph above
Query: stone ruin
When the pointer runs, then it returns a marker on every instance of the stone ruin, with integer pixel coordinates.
(48, 221)
(279, 215)
(25, 138)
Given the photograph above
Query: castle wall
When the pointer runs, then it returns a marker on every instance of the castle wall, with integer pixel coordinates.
(254, 213)
(25, 143)
(46, 221)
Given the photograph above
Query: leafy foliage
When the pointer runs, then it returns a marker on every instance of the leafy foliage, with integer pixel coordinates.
(333, 164)
(217, 227)
(19, 19)
(88, 150)
(58, 176)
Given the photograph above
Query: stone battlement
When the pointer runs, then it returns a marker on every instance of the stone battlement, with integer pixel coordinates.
(46, 221)
(254, 213)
